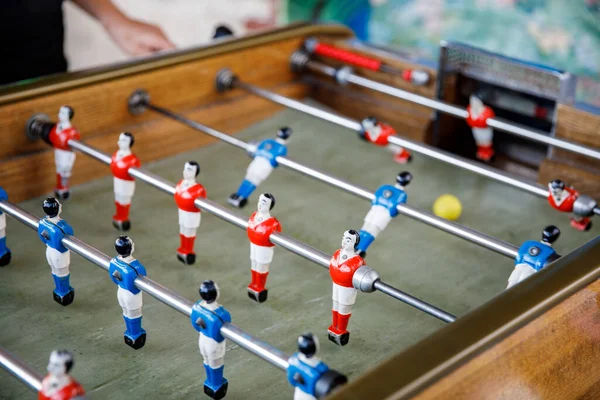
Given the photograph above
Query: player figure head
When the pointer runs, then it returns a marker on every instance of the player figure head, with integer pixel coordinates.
(283, 134)
(350, 240)
(124, 246)
(60, 364)
(308, 344)
(556, 188)
(125, 141)
(476, 104)
(403, 179)
(369, 123)
(52, 208)
(191, 170)
(209, 291)
(65, 114)
(550, 234)
(266, 202)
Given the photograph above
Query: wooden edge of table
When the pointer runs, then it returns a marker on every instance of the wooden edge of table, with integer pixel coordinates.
(69, 80)
(410, 372)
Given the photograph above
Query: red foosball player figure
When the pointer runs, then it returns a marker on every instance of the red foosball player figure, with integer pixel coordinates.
(186, 193)
(124, 184)
(260, 227)
(58, 384)
(342, 267)
(483, 134)
(378, 133)
(64, 157)
(567, 199)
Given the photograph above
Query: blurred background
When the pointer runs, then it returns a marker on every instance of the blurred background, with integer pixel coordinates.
(560, 34)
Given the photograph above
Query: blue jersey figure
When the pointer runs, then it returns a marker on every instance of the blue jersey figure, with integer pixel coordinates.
(51, 230)
(265, 160)
(207, 318)
(311, 377)
(124, 270)
(533, 256)
(4, 251)
(383, 209)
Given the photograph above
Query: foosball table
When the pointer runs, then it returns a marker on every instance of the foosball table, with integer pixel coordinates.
(497, 300)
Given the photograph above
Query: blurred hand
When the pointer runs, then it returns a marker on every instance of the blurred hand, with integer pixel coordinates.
(137, 38)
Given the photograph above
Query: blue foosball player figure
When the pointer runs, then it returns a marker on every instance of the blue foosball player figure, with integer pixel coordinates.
(533, 256)
(383, 210)
(5, 253)
(124, 270)
(207, 317)
(264, 162)
(51, 230)
(311, 377)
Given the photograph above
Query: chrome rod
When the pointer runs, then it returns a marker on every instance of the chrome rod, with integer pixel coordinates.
(156, 290)
(429, 151)
(498, 123)
(20, 370)
(284, 241)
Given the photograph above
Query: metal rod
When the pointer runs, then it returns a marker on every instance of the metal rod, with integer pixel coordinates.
(498, 123)
(156, 290)
(297, 105)
(429, 151)
(284, 241)
(20, 370)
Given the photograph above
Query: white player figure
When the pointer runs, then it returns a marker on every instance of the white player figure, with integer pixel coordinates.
(533, 256)
(482, 133)
(58, 384)
(186, 193)
(378, 133)
(208, 317)
(260, 227)
(124, 270)
(51, 231)
(124, 184)
(383, 210)
(342, 267)
(64, 157)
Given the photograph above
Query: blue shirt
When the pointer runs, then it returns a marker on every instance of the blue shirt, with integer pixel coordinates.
(535, 254)
(3, 196)
(52, 234)
(209, 322)
(128, 273)
(271, 149)
(389, 196)
(304, 376)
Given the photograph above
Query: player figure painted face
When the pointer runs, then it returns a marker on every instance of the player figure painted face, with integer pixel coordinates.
(57, 365)
(348, 241)
(264, 204)
(476, 104)
(124, 142)
(368, 124)
(556, 192)
(64, 114)
(189, 171)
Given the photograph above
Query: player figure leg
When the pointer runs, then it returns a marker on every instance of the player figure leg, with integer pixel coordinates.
(124, 191)
(188, 226)
(5, 253)
(59, 263)
(213, 354)
(401, 155)
(64, 160)
(258, 170)
(343, 299)
(483, 139)
(135, 335)
(521, 272)
(260, 260)
(300, 394)
(581, 223)
(376, 220)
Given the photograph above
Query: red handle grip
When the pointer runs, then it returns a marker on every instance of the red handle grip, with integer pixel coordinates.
(347, 56)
